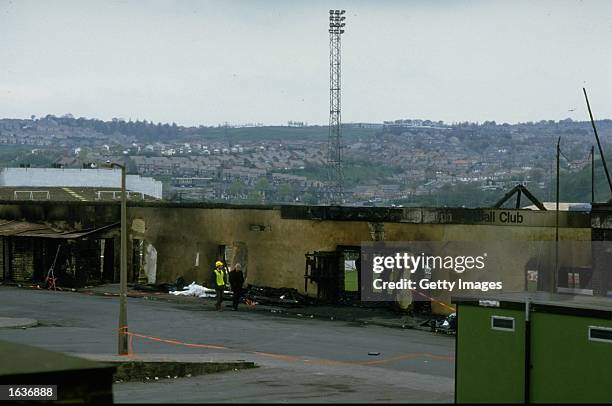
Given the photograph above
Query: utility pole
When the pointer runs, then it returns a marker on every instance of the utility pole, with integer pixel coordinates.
(556, 271)
(123, 323)
(601, 153)
(592, 174)
(335, 171)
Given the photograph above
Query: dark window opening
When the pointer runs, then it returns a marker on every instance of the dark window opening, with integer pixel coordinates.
(600, 334)
(108, 260)
(575, 277)
(502, 323)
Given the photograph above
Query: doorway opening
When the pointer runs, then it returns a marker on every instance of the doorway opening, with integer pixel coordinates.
(336, 274)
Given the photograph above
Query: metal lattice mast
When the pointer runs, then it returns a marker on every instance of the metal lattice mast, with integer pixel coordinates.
(335, 173)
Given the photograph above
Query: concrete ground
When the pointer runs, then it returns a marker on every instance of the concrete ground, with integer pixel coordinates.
(17, 322)
(379, 316)
(301, 359)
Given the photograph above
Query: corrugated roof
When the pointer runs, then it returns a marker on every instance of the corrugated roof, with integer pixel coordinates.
(26, 229)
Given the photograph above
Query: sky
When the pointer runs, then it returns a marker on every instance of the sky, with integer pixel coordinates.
(249, 61)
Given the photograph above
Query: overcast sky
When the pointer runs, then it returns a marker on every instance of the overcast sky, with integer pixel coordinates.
(207, 62)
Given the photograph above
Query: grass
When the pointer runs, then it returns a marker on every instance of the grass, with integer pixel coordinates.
(351, 282)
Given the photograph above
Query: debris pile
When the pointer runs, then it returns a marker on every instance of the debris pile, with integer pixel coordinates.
(278, 296)
(444, 325)
(162, 287)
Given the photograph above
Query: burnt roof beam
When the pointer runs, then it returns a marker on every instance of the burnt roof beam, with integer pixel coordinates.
(518, 190)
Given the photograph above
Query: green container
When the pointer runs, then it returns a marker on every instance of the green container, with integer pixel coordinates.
(567, 366)
(564, 356)
(490, 362)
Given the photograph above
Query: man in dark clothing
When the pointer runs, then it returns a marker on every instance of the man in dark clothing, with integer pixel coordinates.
(236, 280)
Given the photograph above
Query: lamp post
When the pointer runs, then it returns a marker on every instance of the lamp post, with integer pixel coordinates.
(123, 323)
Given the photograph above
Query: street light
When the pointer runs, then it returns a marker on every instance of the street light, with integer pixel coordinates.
(123, 323)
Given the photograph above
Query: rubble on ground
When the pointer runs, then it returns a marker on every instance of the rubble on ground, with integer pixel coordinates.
(278, 296)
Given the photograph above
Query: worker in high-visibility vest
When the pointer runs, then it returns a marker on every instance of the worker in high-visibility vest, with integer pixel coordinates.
(220, 282)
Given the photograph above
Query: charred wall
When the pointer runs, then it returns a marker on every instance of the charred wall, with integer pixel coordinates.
(271, 242)
(187, 239)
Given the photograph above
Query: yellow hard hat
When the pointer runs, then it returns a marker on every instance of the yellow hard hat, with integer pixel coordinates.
(218, 263)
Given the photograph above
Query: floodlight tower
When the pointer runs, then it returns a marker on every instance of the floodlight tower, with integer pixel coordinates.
(335, 173)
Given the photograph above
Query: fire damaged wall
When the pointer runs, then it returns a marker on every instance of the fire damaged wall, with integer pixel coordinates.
(188, 240)
(271, 242)
(78, 261)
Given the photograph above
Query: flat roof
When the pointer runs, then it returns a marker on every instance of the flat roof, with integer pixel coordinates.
(595, 306)
(415, 215)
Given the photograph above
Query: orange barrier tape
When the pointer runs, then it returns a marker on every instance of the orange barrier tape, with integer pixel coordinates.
(434, 300)
(167, 341)
(278, 356)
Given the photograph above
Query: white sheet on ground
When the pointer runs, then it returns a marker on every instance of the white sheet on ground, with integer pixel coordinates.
(195, 290)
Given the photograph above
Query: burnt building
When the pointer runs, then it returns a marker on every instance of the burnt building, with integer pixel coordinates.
(313, 249)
